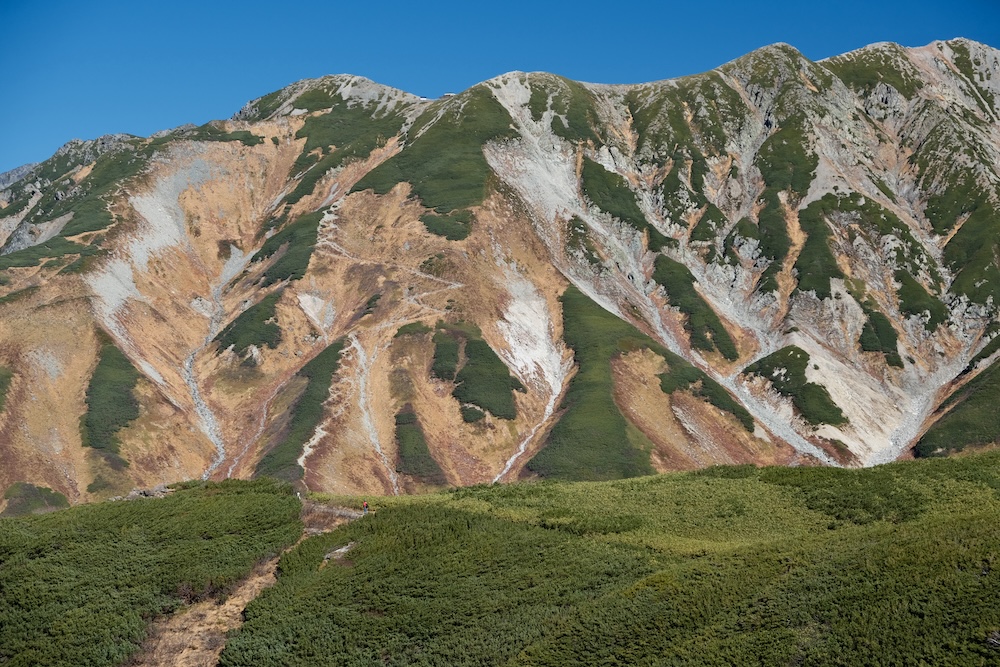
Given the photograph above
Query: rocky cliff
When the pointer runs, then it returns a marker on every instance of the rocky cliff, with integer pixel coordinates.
(778, 261)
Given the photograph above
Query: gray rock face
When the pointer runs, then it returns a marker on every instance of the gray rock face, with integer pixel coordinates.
(9, 178)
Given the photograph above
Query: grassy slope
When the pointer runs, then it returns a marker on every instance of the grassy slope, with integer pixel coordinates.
(590, 441)
(891, 565)
(110, 402)
(282, 461)
(78, 587)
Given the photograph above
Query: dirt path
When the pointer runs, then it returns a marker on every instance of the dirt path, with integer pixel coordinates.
(196, 634)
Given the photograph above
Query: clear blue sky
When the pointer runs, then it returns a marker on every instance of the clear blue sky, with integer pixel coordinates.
(82, 69)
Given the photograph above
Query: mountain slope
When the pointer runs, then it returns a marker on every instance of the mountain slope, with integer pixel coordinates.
(799, 258)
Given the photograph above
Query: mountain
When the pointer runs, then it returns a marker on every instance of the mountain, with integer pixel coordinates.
(778, 261)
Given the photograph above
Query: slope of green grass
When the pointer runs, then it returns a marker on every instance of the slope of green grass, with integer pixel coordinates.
(296, 242)
(878, 335)
(702, 324)
(816, 264)
(786, 369)
(591, 439)
(111, 404)
(481, 378)
(281, 462)
(863, 70)
(611, 194)
(973, 420)
(332, 138)
(445, 164)
(453, 226)
(727, 566)
(79, 586)
(24, 498)
(485, 381)
(254, 326)
(414, 456)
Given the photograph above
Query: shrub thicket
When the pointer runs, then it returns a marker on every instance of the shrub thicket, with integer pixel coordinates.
(445, 164)
(79, 586)
(727, 566)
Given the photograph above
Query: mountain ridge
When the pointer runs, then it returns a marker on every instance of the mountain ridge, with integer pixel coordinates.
(804, 256)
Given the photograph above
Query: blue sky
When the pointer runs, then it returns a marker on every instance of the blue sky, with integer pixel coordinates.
(82, 69)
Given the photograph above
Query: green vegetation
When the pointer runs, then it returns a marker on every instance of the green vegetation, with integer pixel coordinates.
(865, 69)
(538, 103)
(211, 132)
(454, 226)
(576, 118)
(371, 304)
(481, 379)
(610, 193)
(282, 461)
(702, 324)
(914, 300)
(578, 239)
(298, 240)
(592, 440)
(972, 421)
(484, 381)
(774, 240)
(816, 264)
(412, 329)
(709, 224)
(878, 335)
(79, 586)
(24, 499)
(471, 414)
(343, 133)
(254, 326)
(787, 165)
(445, 164)
(54, 247)
(727, 566)
(964, 61)
(6, 375)
(111, 404)
(445, 362)
(265, 106)
(315, 99)
(786, 369)
(785, 160)
(414, 457)
(90, 212)
(684, 376)
(991, 347)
